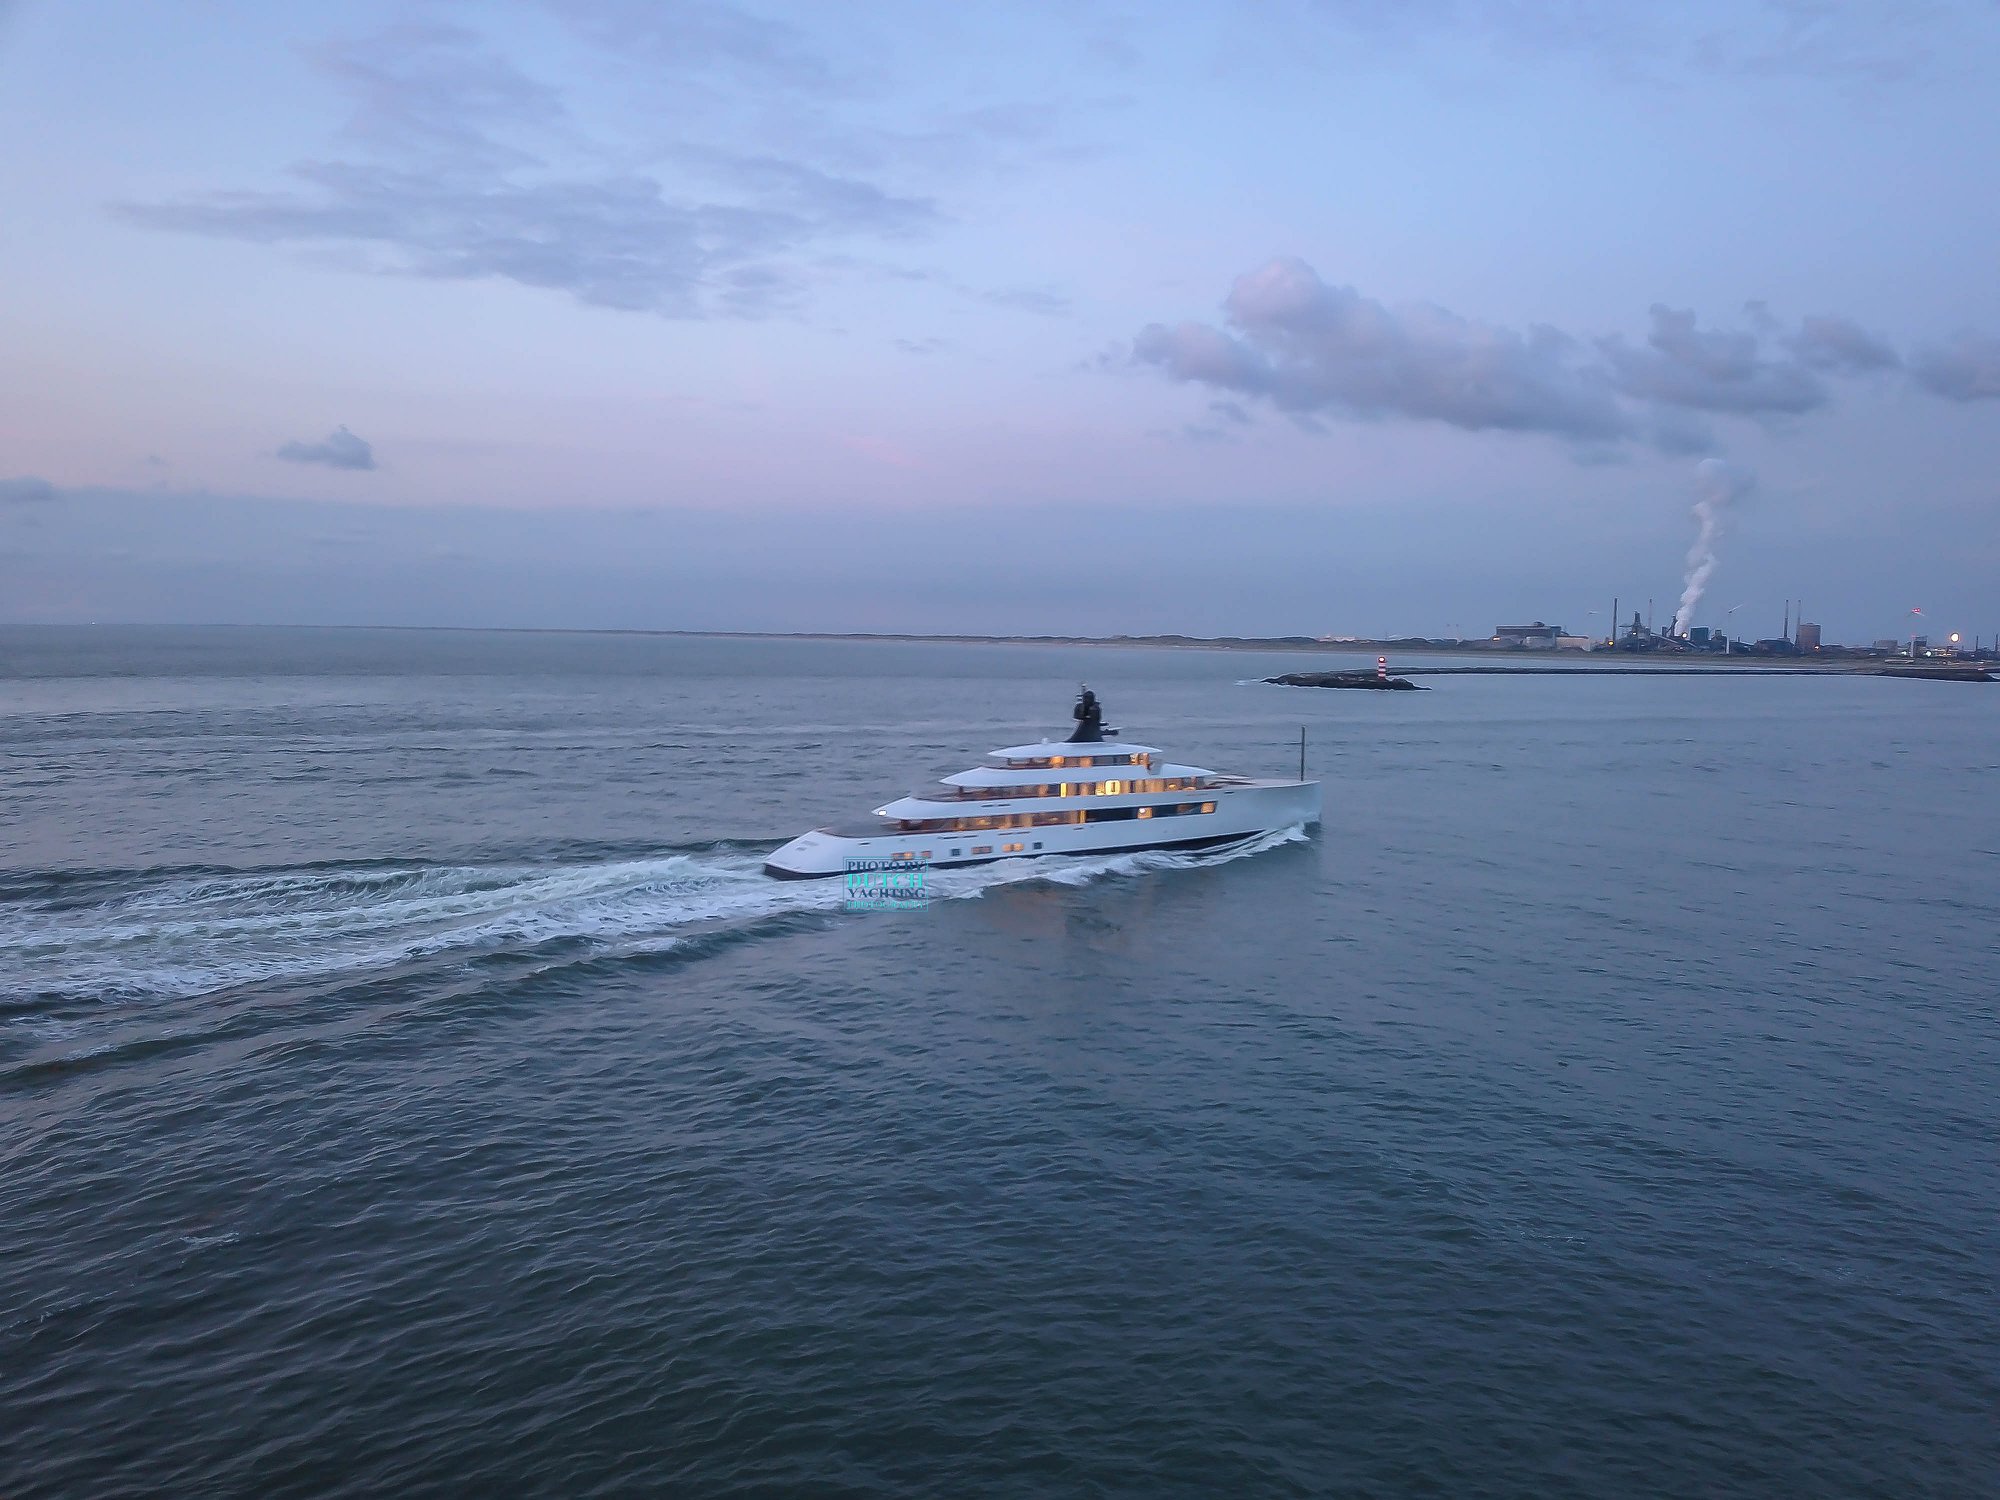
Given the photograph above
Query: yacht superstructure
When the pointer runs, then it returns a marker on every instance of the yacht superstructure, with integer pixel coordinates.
(1088, 794)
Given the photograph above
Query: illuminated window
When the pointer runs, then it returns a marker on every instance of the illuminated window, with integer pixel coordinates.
(1145, 812)
(982, 848)
(1112, 788)
(1010, 848)
(1208, 807)
(1056, 760)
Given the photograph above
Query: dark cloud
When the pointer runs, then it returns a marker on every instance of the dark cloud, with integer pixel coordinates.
(1312, 349)
(25, 489)
(341, 450)
(1966, 369)
(470, 170)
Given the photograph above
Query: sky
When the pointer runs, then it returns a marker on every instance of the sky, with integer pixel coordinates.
(1364, 317)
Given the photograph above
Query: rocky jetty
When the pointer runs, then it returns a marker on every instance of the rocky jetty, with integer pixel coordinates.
(1348, 680)
(1944, 672)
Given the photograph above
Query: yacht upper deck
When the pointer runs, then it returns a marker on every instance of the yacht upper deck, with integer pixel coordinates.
(1062, 755)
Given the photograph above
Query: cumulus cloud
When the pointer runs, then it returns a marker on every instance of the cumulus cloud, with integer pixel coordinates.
(1714, 370)
(1308, 347)
(1966, 369)
(341, 450)
(25, 490)
(1312, 349)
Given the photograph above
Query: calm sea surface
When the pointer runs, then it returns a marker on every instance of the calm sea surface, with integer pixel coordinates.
(409, 1085)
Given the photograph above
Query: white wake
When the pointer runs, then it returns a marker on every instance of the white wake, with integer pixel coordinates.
(184, 936)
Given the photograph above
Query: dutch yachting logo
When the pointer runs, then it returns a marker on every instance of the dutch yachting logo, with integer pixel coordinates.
(887, 884)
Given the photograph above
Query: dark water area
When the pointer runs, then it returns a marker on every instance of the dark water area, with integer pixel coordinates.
(410, 1085)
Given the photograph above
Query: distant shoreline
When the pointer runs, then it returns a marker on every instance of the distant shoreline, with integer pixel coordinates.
(1503, 660)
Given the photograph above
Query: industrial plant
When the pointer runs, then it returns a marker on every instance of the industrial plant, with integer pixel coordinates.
(1799, 637)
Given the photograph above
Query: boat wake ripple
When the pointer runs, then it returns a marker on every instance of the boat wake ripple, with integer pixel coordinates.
(180, 934)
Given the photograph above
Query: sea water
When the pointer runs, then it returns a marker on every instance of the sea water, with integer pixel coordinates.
(409, 1083)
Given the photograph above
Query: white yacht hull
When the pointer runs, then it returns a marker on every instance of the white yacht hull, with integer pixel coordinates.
(1241, 811)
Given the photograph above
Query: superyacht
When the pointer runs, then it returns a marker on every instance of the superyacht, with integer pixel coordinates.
(1092, 793)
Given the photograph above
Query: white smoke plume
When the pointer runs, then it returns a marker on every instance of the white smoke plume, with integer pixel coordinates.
(1718, 485)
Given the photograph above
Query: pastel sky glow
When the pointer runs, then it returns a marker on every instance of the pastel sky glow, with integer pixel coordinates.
(1318, 316)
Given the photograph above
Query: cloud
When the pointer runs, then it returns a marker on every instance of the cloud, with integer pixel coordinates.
(25, 490)
(1046, 301)
(1709, 370)
(1312, 349)
(341, 450)
(1835, 344)
(467, 169)
(1308, 347)
(1966, 369)
(437, 92)
(1833, 41)
(702, 33)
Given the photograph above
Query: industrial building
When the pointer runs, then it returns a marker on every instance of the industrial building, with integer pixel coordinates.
(1535, 637)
